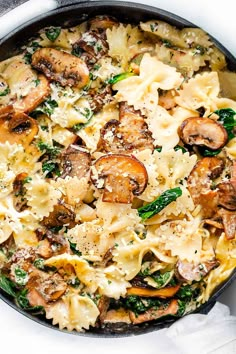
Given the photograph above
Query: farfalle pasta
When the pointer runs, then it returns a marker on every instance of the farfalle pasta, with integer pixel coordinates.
(117, 173)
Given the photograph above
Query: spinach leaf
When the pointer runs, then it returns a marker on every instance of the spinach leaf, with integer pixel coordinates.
(47, 107)
(73, 248)
(178, 147)
(113, 80)
(5, 92)
(50, 168)
(151, 209)
(51, 151)
(52, 33)
(181, 309)
(207, 152)
(7, 285)
(30, 50)
(39, 263)
(160, 279)
(23, 302)
(227, 118)
(88, 114)
(21, 276)
(139, 305)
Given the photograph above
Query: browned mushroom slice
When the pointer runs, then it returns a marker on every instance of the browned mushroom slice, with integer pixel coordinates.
(19, 190)
(203, 132)
(62, 67)
(229, 222)
(6, 112)
(227, 191)
(162, 293)
(50, 287)
(129, 134)
(18, 128)
(103, 306)
(98, 97)
(75, 162)
(227, 195)
(121, 176)
(35, 299)
(61, 215)
(200, 181)
(154, 314)
(35, 97)
(102, 22)
(188, 272)
(91, 46)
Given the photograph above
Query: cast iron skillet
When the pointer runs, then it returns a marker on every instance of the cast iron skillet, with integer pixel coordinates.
(125, 12)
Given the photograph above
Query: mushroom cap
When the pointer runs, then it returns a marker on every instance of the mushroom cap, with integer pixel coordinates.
(203, 132)
(121, 175)
(75, 162)
(67, 69)
(17, 127)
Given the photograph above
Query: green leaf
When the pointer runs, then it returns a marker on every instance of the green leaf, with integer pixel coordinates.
(227, 118)
(7, 285)
(53, 33)
(52, 151)
(151, 209)
(21, 276)
(23, 302)
(207, 152)
(178, 147)
(73, 248)
(5, 92)
(50, 167)
(161, 279)
(39, 263)
(47, 107)
(88, 114)
(119, 77)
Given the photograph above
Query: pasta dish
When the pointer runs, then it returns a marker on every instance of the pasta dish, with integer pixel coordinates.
(117, 173)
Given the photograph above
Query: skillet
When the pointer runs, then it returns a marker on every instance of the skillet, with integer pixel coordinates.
(70, 15)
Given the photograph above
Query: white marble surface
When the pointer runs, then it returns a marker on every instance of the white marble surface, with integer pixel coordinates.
(19, 334)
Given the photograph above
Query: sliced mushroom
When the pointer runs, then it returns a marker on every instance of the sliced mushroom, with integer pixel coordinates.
(227, 195)
(200, 181)
(128, 134)
(35, 299)
(17, 128)
(102, 22)
(118, 316)
(103, 306)
(188, 272)
(227, 191)
(229, 222)
(91, 46)
(203, 132)
(62, 67)
(121, 176)
(62, 215)
(44, 249)
(19, 190)
(75, 162)
(50, 286)
(36, 96)
(57, 240)
(154, 314)
(162, 293)
(98, 97)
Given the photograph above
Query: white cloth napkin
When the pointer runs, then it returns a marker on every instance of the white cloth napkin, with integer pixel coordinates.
(193, 334)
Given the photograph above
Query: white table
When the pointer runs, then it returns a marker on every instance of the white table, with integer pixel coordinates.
(18, 333)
